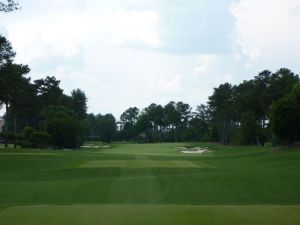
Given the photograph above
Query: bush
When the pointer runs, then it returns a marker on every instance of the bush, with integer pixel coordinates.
(26, 144)
(40, 139)
(63, 127)
(10, 136)
(26, 133)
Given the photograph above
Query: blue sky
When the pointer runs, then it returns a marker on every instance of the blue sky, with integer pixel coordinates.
(125, 53)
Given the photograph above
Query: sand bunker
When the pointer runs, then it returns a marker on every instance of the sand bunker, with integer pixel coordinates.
(196, 150)
(90, 146)
(94, 146)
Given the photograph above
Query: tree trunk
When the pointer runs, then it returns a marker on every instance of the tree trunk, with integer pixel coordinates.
(15, 131)
(258, 141)
(5, 126)
(224, 131)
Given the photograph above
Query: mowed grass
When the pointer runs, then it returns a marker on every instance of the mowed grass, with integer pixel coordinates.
(141, 164)
(151, 215)
(150, 184)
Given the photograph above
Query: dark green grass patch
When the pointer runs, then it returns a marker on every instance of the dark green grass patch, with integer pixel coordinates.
(151, 215)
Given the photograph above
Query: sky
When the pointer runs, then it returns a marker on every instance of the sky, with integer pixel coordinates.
(125, 53)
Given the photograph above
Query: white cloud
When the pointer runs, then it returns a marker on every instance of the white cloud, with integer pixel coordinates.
(206, 63)
(134, 27)
(172, 85)
(135, 52)
(267, 32)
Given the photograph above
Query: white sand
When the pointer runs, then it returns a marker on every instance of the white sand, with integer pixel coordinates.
(89, 146)
(196, 150)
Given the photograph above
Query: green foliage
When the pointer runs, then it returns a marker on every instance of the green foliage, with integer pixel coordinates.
(221, 103)
(242, 112)
(128, 121)
(106, 127)
(12, 82)
(30, 138)
(27, 132)
(79, 101)
(63, 127)
(10, 136)
(40, 139)
(48, 90)
(285, 118)
(6, 52)
(248, 128)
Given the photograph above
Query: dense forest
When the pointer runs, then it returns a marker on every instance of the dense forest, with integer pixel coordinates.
(39, 114)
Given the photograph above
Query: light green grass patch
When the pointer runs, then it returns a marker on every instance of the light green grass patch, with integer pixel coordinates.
(151, 215)
(29, 153)
(168, 149)
(142, 164)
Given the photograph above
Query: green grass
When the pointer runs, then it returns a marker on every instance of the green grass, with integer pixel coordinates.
(142, 164)
(151, 215)
(231, 185)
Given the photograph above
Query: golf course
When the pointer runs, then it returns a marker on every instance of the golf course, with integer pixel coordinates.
(150, 184)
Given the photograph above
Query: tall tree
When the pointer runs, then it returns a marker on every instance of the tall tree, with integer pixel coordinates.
(105, 127)
(221, 102)
(63, 127)
(155, 115)
(198, 125)
(281, 83)
(129, 119)
(48, 91)
(144, 126)
(79, 103)
(184, 114)
(285, 118)
(172, 118)
(11, 83)
(247, 98)
(6, 52)
(89, 124)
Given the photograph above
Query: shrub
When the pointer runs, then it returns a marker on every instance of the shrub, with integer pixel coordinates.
(40, 139)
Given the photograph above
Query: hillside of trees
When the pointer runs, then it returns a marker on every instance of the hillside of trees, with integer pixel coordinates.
(39, 114)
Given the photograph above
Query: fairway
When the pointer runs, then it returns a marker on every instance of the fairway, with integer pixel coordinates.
(141, 164)
(150, 184)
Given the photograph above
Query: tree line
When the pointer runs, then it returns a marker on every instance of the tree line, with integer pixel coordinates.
(38, 113)
(263, 109)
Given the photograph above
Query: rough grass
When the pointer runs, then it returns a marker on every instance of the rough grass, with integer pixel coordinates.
(152, 181)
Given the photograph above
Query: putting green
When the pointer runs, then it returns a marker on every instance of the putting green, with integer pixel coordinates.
(151, 214)
(142, 164)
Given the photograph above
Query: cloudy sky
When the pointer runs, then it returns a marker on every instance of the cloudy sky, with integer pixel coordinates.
(126, 53)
